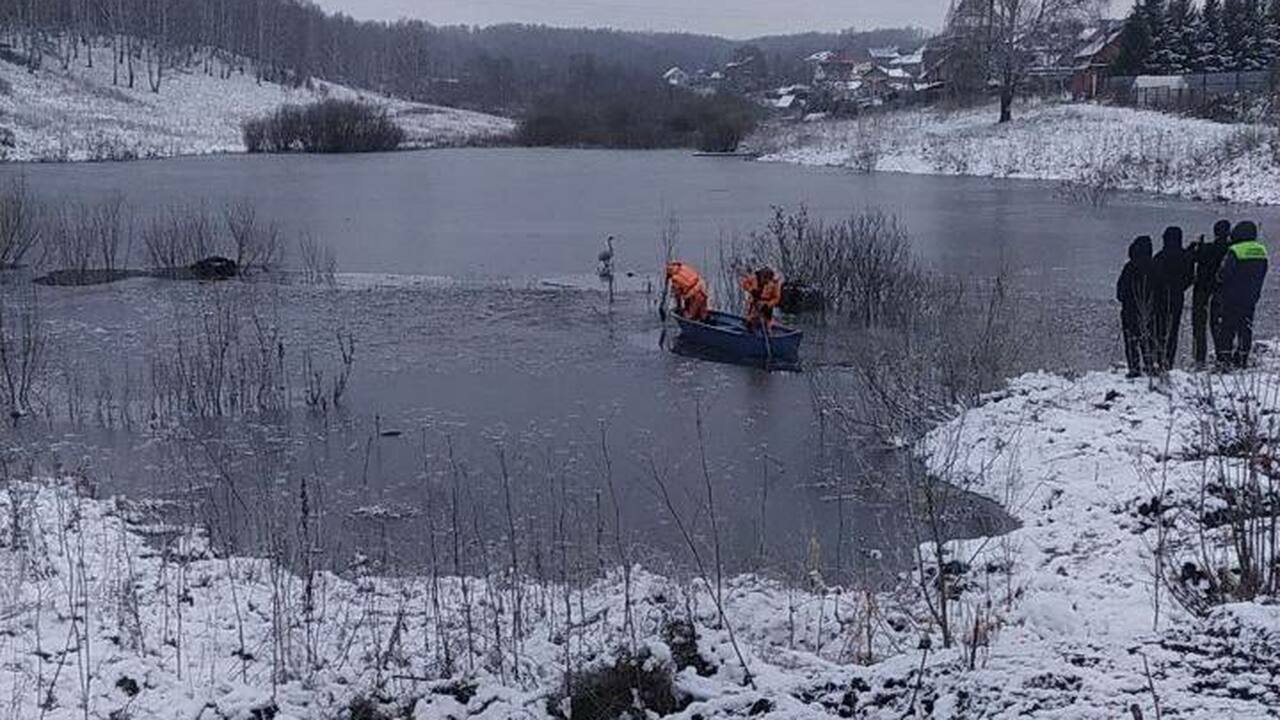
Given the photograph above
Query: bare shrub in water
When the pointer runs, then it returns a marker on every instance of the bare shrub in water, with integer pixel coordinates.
(112, 224)
(20, 223)
(861, 265)
(22, 352)
(258, 245)
(226, 361)
(180, 236)
(319, 263)
(87, 237)
(69, 247)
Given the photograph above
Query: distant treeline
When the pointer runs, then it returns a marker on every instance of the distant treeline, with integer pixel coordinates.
(506, 68)
(640, 119)
(1175, 37)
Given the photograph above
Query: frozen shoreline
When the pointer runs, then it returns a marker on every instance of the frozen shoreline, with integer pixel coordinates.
(1082, 144)
(1057, 618)
(79, 114)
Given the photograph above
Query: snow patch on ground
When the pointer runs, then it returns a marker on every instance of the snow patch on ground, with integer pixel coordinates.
(1057, 618)
(1137, 150)
(78, 114)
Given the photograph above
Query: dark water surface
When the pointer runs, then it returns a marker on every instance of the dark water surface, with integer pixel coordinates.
(494, 359)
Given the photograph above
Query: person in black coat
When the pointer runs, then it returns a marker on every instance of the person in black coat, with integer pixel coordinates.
(1175, 273)
(1208, 259)
(1240, 281)
(1135, 291)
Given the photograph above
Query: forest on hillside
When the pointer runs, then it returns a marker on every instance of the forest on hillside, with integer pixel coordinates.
(503, 69)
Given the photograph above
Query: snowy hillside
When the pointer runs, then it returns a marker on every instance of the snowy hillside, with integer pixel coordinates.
(80, 115)
(1062, 617)
(1090, 145)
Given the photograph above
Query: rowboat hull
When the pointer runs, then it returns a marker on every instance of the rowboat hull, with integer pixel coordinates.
(728, 335)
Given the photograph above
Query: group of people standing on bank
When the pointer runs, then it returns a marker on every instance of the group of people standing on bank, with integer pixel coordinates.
(1225, 277)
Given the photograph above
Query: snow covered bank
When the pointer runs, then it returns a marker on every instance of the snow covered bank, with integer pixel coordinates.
(79, 115)
(1063, 617)
(1123, 148)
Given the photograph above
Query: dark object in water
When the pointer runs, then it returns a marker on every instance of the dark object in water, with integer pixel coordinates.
(728, 334)
(739, 154)
(797, 297)
(215, 268)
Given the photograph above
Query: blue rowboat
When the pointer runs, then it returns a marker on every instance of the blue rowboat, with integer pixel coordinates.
(728, 335)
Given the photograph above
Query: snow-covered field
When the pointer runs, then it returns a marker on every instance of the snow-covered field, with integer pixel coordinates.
(1061, 618)
(79, 115)
(1078, 143)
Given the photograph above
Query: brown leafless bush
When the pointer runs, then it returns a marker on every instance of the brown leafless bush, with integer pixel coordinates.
(319, 395)
(180, 236)
(112, 223)
(868, 141)
(258, 245)
(21, 223)
(862, 265)
(227, 361)
(326, 126)
(1230, 552)
(949, 155)
(319, 264)
(1093, 185)
(22, 352)
(69, 245)
(86, 237)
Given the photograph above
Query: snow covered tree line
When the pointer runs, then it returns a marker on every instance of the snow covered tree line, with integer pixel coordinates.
(1176, 37)
(502, 68)
(286, 40)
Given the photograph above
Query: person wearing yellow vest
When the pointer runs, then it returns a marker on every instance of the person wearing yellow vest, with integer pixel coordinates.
(690, 291)
(1240, 280)
(764, 293)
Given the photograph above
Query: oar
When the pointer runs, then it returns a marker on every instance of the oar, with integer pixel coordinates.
(662, 311)
(768, 345)
(662, 302)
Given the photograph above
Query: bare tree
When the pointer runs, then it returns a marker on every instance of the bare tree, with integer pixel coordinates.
(258, 246)
(1024, 32)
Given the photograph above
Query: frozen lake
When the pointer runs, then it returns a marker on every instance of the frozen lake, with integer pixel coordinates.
(463, 346)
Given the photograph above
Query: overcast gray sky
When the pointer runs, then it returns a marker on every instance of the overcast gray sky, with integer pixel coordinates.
(731, 18)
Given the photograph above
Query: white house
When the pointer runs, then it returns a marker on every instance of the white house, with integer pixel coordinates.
(676, 77)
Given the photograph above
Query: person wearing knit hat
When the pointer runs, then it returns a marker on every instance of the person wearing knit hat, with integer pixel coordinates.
(1240, 281)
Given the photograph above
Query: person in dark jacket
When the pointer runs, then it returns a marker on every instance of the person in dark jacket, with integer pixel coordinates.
(1135, 291)
(1240, 281)
(1208, 259)
(1175, 272)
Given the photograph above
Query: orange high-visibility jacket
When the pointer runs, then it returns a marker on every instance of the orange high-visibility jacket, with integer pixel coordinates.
(684, 279)
(691, 291)
(768, 295)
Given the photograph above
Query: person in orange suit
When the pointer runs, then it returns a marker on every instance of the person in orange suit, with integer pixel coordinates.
(690, 291)
(764, 293)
